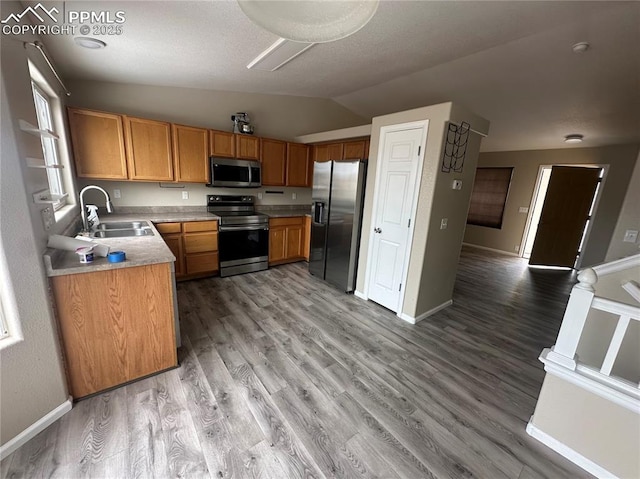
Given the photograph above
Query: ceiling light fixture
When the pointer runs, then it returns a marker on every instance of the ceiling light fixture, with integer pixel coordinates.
(575, 138)
(313, 21)
(580, 47)
(91, 43)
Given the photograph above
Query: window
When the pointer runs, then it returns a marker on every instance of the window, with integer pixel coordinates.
(49, 146)
(489, 196)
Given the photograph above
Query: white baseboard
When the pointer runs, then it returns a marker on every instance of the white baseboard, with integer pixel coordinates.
(35, 429)
(565, 451)
(412, 320)
(361, 295)
(491, 249)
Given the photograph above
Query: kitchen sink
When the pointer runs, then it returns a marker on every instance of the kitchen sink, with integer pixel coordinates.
(121, 225)
(121, 233)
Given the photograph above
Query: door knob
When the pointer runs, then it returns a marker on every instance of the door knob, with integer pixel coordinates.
(377, 230)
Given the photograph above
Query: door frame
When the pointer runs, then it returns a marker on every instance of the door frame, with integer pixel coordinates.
(596, 203)
(424, 125)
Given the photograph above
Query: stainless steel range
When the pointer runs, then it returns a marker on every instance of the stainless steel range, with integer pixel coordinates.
(243, 234)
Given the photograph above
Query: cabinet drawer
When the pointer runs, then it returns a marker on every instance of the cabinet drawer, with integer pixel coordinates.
(202, 263)
(195, 226)
(168, 228)
(200, 243)
(294, 220)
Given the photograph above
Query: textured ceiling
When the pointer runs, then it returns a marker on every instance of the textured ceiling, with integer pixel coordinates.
(510, 62)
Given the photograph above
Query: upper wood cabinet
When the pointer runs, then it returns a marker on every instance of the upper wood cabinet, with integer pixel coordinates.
(222, 143)
(297, 164)
(273, 154)
(247, 147)
(354, 150)
(148, 143)
(330, 151)
(190, 154)
(98, 144)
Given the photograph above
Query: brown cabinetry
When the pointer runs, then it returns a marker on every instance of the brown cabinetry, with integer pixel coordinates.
(116, 325)
(148, 144)
(222, 143)
(297, 165)
(98, 144)
(273, 154)
(195, 246)
(328, 152)
(247, 147)
(286, 240)
(355, 150)
(307, 238)
(190, 154)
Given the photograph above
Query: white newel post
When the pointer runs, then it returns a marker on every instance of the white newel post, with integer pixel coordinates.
(575, 316)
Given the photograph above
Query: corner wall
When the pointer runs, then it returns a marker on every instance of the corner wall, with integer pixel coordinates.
(32, 381)
(434, 252)
(595, 428)
(629, 219)
(621, 160)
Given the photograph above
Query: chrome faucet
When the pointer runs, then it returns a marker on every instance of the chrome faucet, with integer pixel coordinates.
(83, 210)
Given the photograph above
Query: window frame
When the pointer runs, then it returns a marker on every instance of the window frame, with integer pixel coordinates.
(497, 222)
(50, 147)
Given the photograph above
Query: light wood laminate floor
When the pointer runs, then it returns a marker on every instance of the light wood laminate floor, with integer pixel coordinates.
(283, 376)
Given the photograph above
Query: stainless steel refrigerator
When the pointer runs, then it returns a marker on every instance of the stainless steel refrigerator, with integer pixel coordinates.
(338, 194)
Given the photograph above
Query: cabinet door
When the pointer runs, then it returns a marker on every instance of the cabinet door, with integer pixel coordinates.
(354, 150)
(190, 154)
(174, 242)
(202, 263)
(321, 153)
(307, 238)
(222, 143)
(247, 147)
(273, 154)
(294, 242)
(97, 139)
(297, 164)
(200, 242)
(277, 244)
(149, 149)
(111, 333)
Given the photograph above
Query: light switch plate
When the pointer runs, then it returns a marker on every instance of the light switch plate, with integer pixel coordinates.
(260, 195)
(456, 185)
(294, 196)
(630, 236)
(443, 223)
(523, 209)
(116, 193)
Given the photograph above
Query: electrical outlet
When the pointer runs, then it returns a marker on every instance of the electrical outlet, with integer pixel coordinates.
(260, 195)
(48, 219)
(630, 236)
(294, 196)
(456, 185)
(523, 209)
(185, 195)
(116, 193)
(443, 223)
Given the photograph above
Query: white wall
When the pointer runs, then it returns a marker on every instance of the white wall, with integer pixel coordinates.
(32, 381)
(629, 219)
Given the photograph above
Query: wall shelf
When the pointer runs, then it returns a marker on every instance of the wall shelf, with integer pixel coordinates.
(29, 128)
(45, 197)
(39, 163)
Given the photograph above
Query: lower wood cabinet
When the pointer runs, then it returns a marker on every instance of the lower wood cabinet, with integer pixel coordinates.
(307, 238)
(286, 240)
(115, 325)
(195, 246)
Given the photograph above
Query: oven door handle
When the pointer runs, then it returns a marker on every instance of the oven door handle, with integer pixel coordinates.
(222, 229)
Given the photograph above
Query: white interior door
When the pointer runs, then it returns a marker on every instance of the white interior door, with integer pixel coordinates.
(394, 206)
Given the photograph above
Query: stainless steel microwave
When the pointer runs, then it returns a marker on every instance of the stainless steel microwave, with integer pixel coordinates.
(233, 173)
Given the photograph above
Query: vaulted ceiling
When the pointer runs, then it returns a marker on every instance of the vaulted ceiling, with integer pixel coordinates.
(510, 62)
